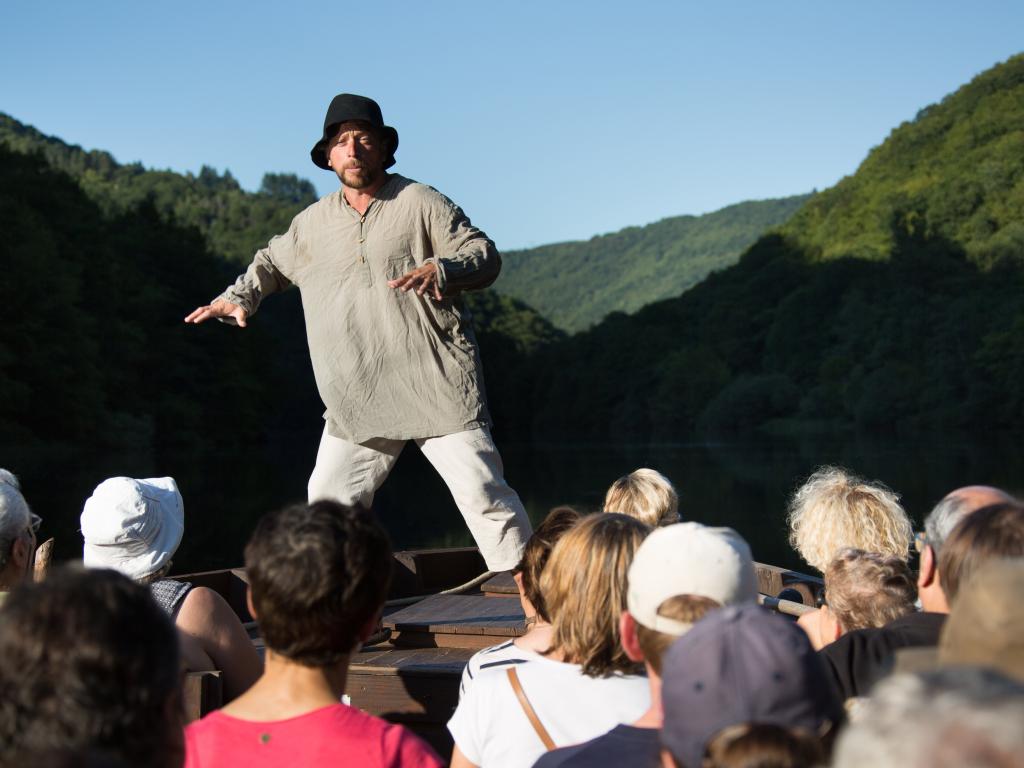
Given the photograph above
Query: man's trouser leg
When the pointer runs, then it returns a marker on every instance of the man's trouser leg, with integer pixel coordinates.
(349, 472)
(469, 464)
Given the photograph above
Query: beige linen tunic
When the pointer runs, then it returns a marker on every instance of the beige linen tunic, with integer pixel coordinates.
(387, 363)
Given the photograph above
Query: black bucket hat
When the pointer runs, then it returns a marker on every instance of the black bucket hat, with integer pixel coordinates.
(345, 107)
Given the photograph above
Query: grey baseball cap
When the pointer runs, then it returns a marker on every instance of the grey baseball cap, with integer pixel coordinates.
(742, 664)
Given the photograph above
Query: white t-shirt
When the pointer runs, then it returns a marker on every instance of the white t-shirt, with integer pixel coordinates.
(499, 656)
(491, 729)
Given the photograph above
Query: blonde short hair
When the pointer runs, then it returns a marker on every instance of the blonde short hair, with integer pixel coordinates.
(584, 584)
(834, 510)
(866, 589)
(646, 495)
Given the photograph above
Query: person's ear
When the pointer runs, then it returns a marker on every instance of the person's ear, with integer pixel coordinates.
(21, 553)
(628, 637)
(517, 577)
(926, 574)
(248, 603)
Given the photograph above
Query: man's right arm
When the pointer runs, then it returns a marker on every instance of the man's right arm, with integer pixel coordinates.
(268, 273)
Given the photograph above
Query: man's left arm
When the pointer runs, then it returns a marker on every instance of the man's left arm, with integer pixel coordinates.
(465, 259)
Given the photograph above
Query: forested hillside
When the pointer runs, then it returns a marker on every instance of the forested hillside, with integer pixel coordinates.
(955, 172)
(576, 284)
(890, 302)
(234, 222)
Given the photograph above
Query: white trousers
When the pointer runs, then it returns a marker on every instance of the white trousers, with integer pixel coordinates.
(470, 466)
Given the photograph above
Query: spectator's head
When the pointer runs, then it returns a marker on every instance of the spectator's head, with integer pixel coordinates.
(646, 495)
(953, 508)
(744, 666)
(584, 586)
(536, 553)
(834, 510)
(680, 573)
(865, 589)
(133, 526)
(987, 626)
(990, 533)
(89, 662)
(318, 576)
(18, 526)
(953, 717)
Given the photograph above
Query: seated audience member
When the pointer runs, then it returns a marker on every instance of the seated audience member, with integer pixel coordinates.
(986, 628)
(135, 527)
(862, 590)
(835, 510)
(585, 684)
(88, 665)
(991, 533)
(527, 577)
(646, 495)
(744, 687)
(953, 508)
(18, 526)
(948, 718)
(318, 576)
(679, 574)
(859, 659)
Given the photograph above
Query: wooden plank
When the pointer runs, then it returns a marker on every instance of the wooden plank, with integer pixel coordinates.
(391, 660)
(771, 580)
(442, 640)
(459, 615)
(425, 571)
(500, 585)
(417, 689)
(201, 694)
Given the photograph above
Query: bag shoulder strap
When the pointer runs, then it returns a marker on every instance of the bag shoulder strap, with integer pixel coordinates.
(531, 714)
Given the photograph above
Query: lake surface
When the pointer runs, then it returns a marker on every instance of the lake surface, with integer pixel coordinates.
(741, 483)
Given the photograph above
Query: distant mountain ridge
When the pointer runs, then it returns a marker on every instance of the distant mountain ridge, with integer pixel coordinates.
(576, 284)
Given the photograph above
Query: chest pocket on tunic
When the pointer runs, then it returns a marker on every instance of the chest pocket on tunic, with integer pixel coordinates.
(397, 255)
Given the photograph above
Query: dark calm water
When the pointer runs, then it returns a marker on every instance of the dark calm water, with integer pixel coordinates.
(743, 484)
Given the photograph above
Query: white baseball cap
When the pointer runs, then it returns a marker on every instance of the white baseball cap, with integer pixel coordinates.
(132, 526)
(688, 559)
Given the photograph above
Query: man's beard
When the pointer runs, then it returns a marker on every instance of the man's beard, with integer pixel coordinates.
(359, 178)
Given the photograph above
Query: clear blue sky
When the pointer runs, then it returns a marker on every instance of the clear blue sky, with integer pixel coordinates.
(545, 121)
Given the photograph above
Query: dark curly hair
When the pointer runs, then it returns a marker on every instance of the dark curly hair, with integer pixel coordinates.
(318, 573)
(89, 663)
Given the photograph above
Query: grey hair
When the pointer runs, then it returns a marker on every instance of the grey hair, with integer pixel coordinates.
(15, 516)
(943, 519)
(952, 716)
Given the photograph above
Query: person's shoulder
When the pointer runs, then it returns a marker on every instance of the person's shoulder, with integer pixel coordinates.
(397, 741)
(417, 192)
(624, 744)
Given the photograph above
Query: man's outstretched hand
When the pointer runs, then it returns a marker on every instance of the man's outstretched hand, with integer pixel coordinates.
(422, 280)
(219, 308)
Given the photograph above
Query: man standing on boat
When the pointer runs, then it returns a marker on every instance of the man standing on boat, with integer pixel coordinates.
(381, 264)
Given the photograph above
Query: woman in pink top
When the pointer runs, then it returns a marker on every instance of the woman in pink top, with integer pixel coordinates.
(318, 575)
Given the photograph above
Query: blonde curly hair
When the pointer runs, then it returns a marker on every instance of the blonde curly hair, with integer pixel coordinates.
(835, 509)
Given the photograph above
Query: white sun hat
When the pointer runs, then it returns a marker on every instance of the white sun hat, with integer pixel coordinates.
(688, 559)
(132, 526)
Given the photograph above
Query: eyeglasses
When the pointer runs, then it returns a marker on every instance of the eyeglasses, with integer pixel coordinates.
(34, 522)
